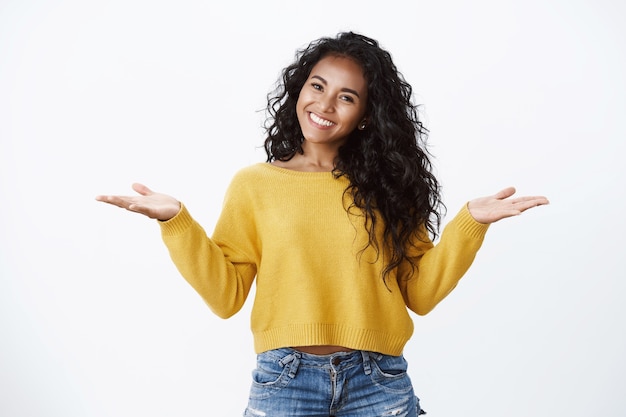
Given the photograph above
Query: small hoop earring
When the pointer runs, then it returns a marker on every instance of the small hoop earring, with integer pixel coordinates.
(362, 126)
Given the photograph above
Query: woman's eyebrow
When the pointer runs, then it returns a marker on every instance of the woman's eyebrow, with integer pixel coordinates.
(347, 90)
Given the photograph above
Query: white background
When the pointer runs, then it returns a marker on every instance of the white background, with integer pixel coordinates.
(96, 322)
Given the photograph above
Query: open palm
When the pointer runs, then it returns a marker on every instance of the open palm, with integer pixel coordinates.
(154, 205)
(499, 206)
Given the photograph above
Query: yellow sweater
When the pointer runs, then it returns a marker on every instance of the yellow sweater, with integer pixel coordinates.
(314, 284)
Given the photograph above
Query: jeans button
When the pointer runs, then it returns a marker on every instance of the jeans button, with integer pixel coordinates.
(336, 361)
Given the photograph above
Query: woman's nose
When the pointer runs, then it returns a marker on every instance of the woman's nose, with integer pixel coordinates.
(326, 103)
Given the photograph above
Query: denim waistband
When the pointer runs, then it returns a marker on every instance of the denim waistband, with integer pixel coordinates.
(336, 361)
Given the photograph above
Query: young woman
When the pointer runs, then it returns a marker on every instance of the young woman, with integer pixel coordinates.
(337, 228)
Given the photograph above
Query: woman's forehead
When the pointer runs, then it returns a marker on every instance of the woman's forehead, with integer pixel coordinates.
(341, 70)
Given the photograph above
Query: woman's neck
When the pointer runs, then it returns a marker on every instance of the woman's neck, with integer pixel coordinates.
(312, 160)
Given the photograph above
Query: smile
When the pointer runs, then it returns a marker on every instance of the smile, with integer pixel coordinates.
(318, 120)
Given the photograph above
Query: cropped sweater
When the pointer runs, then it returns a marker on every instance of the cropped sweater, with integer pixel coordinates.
(317, 280)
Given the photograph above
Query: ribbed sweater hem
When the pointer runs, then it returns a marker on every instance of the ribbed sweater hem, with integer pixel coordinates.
(468, 225)
(178, 224)
(316, 334)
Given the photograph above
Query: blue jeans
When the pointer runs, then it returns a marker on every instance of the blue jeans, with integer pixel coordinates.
(289, 383)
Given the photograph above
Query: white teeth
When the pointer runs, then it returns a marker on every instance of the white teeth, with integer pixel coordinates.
(321, 121)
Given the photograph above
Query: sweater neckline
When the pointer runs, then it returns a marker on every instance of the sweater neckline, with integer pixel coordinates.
(301, 174)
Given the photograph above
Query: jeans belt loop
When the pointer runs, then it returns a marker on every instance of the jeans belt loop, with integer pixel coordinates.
(366, 362)
(293, 360)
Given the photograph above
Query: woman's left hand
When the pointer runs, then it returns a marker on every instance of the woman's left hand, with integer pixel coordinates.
(499, 206)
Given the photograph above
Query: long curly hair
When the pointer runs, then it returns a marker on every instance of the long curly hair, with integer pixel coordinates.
(387, 163)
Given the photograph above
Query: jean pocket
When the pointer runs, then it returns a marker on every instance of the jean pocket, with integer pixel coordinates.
(390, 373)
(268, 377)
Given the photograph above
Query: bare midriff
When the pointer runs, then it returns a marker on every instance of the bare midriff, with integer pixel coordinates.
(322, 350)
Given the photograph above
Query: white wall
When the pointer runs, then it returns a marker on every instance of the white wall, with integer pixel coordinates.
(94, 319)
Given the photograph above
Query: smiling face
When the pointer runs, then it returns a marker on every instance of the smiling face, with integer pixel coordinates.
(332, 101)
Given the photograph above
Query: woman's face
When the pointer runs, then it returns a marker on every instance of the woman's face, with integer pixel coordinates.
(332, 101)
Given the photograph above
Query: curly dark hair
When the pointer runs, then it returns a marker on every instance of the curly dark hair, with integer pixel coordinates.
(387, 163)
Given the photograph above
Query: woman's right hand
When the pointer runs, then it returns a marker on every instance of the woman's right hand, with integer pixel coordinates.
(154, 205)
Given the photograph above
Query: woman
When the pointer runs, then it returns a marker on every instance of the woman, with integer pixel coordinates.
(337, 228)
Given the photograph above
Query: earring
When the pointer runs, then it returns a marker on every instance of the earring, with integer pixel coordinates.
(363, 125)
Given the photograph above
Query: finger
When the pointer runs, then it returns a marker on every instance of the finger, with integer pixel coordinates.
(505, 193)
(539, 199)
(530, 203)
(133, 204)
(142, 189)
(118, 201)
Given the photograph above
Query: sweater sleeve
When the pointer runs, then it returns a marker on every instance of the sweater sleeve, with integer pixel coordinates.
(221, 272)
(441, 266)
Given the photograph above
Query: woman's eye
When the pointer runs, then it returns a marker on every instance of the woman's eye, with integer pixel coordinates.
(349, 99)
(316, 86)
